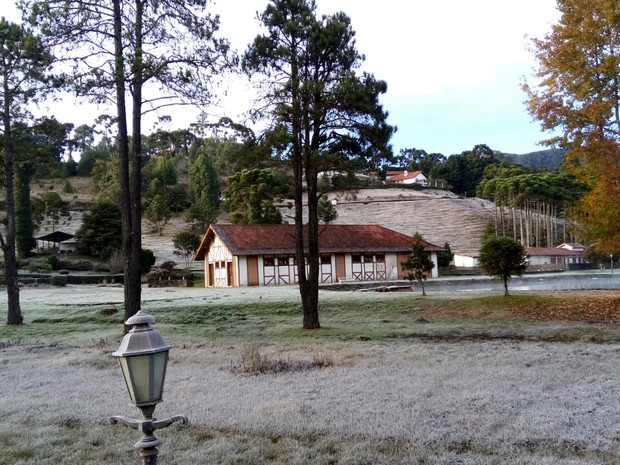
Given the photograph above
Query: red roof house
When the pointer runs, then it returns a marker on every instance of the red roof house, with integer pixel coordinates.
(406, 177)
(260, 255)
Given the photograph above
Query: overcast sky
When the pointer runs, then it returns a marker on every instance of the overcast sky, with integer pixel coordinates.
(453, 68)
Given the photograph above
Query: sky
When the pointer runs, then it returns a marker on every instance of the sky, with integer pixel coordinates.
(453, 68)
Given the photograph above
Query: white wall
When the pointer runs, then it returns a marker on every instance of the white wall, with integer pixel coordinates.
(465, 261)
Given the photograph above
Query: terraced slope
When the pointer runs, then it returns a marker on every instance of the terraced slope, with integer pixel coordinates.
(440, 216)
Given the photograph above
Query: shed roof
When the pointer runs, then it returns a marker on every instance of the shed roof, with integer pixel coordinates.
(273, 239)
(56, 236)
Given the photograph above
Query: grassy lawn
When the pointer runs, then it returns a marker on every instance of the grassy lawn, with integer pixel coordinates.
(472, 378)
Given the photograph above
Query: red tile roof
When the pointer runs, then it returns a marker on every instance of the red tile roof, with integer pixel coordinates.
(400, 176)
(276, 239)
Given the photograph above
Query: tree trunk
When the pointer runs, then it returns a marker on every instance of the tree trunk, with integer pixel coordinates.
(133, 285)
(310, 295)
(123, 152)
(14, 312)
(521, 232)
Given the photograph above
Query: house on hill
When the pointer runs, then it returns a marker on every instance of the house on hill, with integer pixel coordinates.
(264, 255)
(406, 177)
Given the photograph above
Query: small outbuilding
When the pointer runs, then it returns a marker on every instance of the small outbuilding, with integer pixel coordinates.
(553, 258)
(53, 240)
(264, 255)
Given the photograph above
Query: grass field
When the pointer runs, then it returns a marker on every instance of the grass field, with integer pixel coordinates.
(391, 378)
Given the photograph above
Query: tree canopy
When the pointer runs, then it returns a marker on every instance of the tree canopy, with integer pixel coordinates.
(249, 195)
(463, 172)
(530, 204)
(100, 233)
(502, 257)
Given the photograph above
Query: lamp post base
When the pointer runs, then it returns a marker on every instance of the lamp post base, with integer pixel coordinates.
(149, 443)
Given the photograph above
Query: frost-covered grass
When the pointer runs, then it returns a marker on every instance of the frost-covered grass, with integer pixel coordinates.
(395, 390)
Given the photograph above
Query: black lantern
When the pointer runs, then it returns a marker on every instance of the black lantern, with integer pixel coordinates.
(143, 356)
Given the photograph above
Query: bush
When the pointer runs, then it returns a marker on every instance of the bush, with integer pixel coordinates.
(53, 262)
(100, 233)
(75, 265)
(252, 362)
(115, 262)
(58, 280)
(147, 260)
(39, 266)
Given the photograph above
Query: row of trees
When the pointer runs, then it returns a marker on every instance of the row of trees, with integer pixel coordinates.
(531, 206)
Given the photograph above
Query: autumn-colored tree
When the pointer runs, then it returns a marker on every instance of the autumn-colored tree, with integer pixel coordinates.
(577, 96)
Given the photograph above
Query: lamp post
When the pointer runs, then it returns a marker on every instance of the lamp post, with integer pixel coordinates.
(143, 356)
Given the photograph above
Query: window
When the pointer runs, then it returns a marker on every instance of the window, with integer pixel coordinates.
(326, 259)
(356, 258)
(269, 261)
(283, 261)
(380, 258)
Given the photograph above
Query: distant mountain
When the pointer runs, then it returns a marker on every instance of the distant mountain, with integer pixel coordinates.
(549, 159)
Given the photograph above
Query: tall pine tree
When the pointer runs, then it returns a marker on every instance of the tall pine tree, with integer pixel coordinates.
(327, 115)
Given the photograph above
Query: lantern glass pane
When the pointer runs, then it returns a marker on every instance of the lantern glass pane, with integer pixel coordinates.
(137, 377)
(126, 368)
(141, 366)
(160, 360)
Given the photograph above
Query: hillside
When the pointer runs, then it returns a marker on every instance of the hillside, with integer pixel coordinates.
(550, 159)
(440, 216)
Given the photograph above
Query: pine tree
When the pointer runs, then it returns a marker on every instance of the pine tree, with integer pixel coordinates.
(418, 264)
(325, 114)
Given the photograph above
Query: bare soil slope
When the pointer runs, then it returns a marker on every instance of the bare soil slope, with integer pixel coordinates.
(440, 216)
